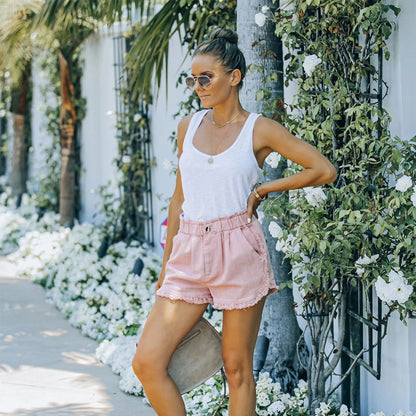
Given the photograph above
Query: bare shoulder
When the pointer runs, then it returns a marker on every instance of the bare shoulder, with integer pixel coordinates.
(182, 128)
(183, 124)
(265, 126)
(269, 134)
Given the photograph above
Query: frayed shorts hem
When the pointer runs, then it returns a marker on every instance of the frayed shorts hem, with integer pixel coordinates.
(222, 304)
(244, 303)
(179, 296)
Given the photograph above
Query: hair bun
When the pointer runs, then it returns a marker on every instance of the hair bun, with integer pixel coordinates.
(227, 34)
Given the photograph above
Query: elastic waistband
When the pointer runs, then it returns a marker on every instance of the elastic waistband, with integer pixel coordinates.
(215, 225)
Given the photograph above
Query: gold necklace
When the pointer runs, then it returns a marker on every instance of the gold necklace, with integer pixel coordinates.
(227, 122)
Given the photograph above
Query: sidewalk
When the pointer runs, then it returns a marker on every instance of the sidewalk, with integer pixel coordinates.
(47, 367)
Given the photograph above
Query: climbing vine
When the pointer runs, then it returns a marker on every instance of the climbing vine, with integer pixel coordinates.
(359, 230)
(46, 191)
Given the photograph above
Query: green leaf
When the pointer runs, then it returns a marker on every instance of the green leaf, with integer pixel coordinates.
(343, 213)
(377, 229)
(259, 95)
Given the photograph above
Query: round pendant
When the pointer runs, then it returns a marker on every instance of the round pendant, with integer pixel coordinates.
(210, 160)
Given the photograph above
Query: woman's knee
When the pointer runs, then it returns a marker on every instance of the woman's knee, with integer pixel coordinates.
(238, 370)
(145, 364)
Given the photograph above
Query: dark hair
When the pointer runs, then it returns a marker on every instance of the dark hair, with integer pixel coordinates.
(223, 45)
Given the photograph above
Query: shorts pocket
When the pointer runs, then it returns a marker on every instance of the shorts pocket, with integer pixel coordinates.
(250, 237)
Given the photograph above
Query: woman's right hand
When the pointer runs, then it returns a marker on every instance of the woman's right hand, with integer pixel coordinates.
(160, 280)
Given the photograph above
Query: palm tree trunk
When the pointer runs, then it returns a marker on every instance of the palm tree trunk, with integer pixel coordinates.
(279, 321)
(67, 123)
(19, 156)
(3, 128)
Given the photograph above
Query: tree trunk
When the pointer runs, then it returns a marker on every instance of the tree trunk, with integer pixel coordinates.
(3, 129)
(67, 123)
(19, 156)
(279, 321)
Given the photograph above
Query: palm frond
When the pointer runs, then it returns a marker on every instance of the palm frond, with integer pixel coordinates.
(114, 10)
(58, 12)
(16, 29)
(107, 11)
(148, 55)
(70, 22)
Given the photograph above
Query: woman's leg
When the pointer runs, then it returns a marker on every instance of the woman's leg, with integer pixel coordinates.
(167, 324)
(240, 328)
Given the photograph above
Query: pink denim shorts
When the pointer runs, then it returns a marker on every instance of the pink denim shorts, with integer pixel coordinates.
(224, 261)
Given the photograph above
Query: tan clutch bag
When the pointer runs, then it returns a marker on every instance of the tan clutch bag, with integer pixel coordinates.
(197, 358)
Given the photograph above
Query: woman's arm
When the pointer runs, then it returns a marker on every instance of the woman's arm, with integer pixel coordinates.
(271, 136)
(175, 206)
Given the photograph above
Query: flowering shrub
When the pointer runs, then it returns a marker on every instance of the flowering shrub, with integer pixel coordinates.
(102, 297)
(270, 400)
(14, 224)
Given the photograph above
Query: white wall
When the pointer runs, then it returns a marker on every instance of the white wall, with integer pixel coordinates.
(399, 72)
(98, 133)
(396, 389)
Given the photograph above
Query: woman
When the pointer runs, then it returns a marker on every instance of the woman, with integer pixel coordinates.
(215, 250)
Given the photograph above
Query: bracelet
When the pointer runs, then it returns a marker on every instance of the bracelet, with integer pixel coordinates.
(256, 194)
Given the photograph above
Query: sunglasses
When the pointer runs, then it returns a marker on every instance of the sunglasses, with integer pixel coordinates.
(203, 80)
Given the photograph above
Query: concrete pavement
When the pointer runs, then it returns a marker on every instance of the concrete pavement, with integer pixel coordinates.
(47, 367)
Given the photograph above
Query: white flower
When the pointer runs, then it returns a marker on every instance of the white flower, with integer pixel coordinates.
(360, 271)
(261, 216)
(343, 410)
(275, 230)
(310, 62)
(260, 19)
(400, 289)
(404, 183)
(281, 246)
(382, 290)
(137, 117)
(396, 290)
(276, 407)
(323, 409)
(315, 196)
(126, 159)
(263, 399)
(273, 159)
(265, 9)
(167, 164)
(2, 113)
(364, 260)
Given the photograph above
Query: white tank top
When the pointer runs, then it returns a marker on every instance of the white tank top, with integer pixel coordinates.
(217, 185)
